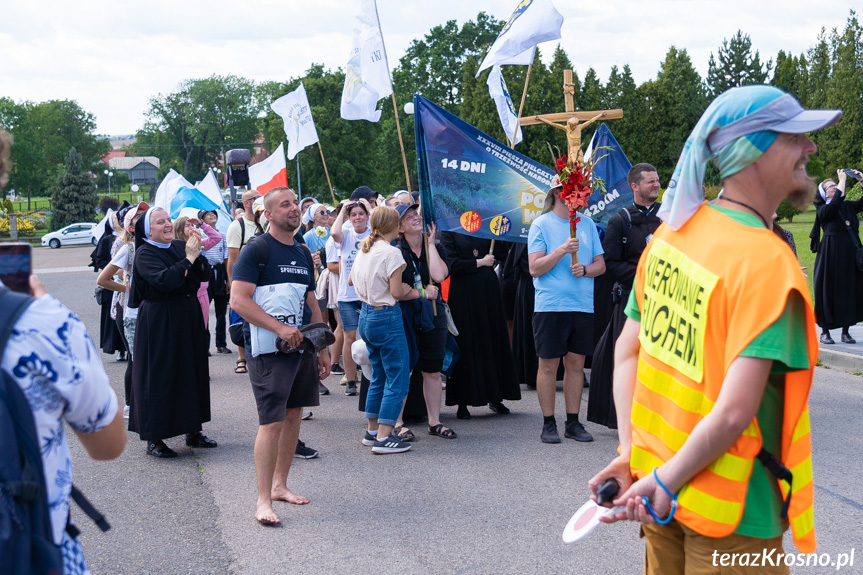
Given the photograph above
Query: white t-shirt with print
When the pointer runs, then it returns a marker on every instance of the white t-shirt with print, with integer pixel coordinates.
(348, 253)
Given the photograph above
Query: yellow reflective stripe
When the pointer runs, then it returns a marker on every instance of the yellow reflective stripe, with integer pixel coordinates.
(643, 460)
(670, 387)
(803, 523)
(751, 430)
(732, 467)
(801, 475)
(713, 508)
(802, 427)
(653, 423)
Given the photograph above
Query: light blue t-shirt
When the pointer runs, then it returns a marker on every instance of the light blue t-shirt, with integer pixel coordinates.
(559, 290)
(314, 241)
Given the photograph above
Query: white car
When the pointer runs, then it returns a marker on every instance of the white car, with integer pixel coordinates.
(70, 235)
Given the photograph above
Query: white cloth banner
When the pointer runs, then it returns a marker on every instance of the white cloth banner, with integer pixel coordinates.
(505, 109)
(532, 22)
(367, 75)
(297, 115)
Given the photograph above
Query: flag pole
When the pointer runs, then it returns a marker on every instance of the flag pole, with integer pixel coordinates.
(401, 142)
(524, 92)
(329, 183)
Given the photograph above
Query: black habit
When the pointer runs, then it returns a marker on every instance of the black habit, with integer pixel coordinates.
(485, 372)
(838, 284)
(170, 374)
(110, 338)
(625, 240)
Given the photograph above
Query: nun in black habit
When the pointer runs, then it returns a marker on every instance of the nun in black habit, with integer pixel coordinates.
(170, 375)
(110, 339)
(485, 373)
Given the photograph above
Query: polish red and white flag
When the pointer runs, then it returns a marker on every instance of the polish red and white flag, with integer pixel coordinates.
(270, 173)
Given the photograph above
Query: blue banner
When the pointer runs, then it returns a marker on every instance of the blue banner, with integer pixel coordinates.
(613, 169)
(472, 184)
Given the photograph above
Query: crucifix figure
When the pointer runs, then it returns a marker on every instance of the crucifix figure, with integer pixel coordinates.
(573, 122)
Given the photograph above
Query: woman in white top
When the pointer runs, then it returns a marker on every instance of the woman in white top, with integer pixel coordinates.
(377, 278)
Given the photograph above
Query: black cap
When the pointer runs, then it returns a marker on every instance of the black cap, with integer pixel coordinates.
(202, 213)
(364, 193)
(402, 209)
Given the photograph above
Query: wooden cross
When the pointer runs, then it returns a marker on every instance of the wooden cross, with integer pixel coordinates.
(570, 120)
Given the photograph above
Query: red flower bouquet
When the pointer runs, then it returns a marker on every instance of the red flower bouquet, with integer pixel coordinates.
(578, 181)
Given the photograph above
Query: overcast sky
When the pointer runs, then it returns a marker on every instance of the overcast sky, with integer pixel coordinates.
(112, 56)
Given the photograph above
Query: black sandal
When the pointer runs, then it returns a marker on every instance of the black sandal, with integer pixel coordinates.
(442, 431)
(241, 368)
(404, 433)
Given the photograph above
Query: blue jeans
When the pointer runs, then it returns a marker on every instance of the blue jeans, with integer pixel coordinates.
(384, 334)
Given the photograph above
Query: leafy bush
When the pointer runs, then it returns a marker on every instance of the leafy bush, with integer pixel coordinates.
(25, 227)
(786, 211)
(108, 202)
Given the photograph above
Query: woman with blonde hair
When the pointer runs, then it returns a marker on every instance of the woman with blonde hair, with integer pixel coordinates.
(183, 229)
(377, 278)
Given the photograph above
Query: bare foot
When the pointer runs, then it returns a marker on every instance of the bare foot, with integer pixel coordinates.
(265, 514)
(284, 494)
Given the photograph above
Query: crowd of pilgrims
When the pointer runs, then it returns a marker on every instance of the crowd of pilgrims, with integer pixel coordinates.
(463, 313)
(414, 313)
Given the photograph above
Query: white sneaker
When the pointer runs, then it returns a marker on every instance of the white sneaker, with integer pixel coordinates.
(390, 445)
(343, 380)
(306, 414)
(125, 412)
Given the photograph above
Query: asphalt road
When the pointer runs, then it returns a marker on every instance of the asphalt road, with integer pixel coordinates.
(494, 500)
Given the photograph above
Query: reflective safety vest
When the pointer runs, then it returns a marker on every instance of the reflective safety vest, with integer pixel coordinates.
(705, 292)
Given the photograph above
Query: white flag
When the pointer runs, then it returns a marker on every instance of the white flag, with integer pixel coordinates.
(299, 126)
(505, 109)
(367, 75)
(532, 22)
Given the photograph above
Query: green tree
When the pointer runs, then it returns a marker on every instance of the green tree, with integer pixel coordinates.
(44, 132)
(190, 129)
(842, 144)
(432, 66)
(74, 197)
(736, 65)
(791, 74)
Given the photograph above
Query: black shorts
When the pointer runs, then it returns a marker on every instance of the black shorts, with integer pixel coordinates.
(283, 381)
(557, 333)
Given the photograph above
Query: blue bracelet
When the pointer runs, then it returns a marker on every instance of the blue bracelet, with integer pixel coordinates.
(673, 496)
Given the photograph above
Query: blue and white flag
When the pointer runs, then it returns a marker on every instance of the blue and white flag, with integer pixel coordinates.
(367, 75)
(505, 108)
(532, 22)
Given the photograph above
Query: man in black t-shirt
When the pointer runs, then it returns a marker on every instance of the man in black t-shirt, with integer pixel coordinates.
(272, 300)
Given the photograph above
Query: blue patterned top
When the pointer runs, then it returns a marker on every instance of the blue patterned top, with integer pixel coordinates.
(55, 362)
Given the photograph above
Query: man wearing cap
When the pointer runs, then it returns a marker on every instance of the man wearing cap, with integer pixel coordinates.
(563, 309)
(715, 362)
(239, 233)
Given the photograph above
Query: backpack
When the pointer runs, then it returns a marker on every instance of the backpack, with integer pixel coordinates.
(26, 537)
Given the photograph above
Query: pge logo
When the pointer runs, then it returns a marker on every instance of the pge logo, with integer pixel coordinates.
(470, 221)
(500, 225)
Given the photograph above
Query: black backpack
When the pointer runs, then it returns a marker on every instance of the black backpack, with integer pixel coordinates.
(26, 539)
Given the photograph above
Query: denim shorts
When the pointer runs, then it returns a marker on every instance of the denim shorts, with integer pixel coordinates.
(350, 314)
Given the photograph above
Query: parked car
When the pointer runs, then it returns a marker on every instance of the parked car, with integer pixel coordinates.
(71, 235)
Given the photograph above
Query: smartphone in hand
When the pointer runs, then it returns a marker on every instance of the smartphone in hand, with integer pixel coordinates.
(16, 265)
(851, 174)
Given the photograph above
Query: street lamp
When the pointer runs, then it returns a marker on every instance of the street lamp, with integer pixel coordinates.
(109, 174)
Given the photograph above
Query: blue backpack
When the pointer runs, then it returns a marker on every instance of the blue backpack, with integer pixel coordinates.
(26, 539)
